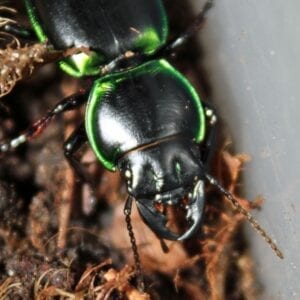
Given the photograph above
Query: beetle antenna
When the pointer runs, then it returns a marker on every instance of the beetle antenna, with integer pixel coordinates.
(243, 211)
(137, 260)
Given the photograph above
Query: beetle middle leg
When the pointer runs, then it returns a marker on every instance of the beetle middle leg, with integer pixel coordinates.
(72, 145)
(74, 142)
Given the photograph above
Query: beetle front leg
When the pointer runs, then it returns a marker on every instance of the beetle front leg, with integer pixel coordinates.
(69, 103)
(189, 32)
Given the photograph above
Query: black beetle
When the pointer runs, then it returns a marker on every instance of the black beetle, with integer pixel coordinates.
(143, 117)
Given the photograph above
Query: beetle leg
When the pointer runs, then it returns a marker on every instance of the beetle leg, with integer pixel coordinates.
(74, 142)
(20, 32)
(69, 103)
(114, 64)
(190, 31)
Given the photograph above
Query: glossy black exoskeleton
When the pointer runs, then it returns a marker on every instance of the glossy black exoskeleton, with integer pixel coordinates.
(143, 117)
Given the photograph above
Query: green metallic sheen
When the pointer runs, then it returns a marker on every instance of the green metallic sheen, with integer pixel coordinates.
(77, 65)
(82, 64)
(149, 41)
(150, 37)
(165, 24)
(101, 87)
(201, 131)
(110, 82)
(34, 22)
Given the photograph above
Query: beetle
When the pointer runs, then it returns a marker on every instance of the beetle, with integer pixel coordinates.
(143, 117)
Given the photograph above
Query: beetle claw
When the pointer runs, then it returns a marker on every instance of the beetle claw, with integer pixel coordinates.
(157, 221)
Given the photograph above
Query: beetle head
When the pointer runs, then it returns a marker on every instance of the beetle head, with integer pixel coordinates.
(166, 174)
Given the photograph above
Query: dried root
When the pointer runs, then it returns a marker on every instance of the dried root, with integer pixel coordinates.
(97, 282)
(15, 62)
(5, 10)
(18, 62)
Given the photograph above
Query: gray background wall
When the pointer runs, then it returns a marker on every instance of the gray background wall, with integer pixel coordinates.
(252, 53)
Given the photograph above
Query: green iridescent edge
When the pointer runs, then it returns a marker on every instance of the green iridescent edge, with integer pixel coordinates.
(99, 89)
(109, 83)
(77, 65)
(201, 130)
(165, 25)
(149, 40)
(83, 64)
(34, 21)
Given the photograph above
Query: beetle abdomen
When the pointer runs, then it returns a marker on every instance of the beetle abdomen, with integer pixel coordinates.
(108, 27)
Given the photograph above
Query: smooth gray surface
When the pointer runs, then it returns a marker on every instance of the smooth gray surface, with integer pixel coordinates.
(252, 53)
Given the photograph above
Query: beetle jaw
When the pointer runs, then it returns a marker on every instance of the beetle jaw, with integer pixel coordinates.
(193, 204)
